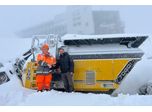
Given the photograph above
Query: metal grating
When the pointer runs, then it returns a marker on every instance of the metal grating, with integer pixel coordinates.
(90, 77)
(3, 78)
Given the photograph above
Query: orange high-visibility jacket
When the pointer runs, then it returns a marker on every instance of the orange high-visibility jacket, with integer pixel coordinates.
(44, 69)
(48, 59)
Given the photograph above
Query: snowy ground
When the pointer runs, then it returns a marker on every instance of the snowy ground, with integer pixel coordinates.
(12, 93)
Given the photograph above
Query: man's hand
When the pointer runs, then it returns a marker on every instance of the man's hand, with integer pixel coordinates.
(40, 62)
(71, 73)
(53, 65)
(48, 54)
(50, 66)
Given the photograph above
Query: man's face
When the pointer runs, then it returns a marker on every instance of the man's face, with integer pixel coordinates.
(61, 51)
(45, 51)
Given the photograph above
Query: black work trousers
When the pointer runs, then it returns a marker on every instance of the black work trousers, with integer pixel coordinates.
(67, 79)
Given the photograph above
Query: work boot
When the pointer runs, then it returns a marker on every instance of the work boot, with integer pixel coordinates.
(47, 90)
(39, 90)
(70, 90)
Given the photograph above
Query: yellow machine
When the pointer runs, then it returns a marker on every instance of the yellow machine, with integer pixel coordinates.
(101, 62)
(29, 76)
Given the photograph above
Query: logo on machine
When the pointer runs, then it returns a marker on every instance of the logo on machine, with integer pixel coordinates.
(125, 71)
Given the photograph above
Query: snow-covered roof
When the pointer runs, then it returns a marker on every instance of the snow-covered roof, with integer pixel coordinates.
(130, 40)
(77, 37)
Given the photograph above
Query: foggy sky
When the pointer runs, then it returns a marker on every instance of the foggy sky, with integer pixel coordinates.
(137, 19)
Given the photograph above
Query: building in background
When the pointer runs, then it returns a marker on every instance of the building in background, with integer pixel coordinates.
(79, 20)
(107, 22)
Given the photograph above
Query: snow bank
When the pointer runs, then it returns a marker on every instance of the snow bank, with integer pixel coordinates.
(12, 93)
(15, 95)
(55, 98)
(141, 73)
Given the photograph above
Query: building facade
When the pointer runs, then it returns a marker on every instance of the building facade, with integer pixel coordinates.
(79, 20)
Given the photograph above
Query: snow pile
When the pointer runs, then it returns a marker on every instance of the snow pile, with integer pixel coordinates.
(56, 98)
(12, 93)
(141, 73)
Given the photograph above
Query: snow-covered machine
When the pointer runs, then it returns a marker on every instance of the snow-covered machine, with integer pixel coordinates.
(101, 62)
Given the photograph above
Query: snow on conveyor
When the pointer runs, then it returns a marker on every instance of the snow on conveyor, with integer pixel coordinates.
(75, 36)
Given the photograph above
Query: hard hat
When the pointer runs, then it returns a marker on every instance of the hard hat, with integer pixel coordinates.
(45, 46)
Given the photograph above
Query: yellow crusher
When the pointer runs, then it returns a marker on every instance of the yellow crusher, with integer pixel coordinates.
(101, 62)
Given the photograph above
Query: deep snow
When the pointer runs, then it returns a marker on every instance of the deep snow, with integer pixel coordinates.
(12, 93)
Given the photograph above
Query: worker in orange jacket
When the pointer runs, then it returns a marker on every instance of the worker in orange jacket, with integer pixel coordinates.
(43, 74)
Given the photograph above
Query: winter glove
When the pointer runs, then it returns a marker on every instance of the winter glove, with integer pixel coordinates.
(39, 62)
(50, 71)
(50, 66)
(45, 64)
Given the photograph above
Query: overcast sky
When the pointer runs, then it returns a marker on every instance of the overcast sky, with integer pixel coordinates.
(137, 19)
